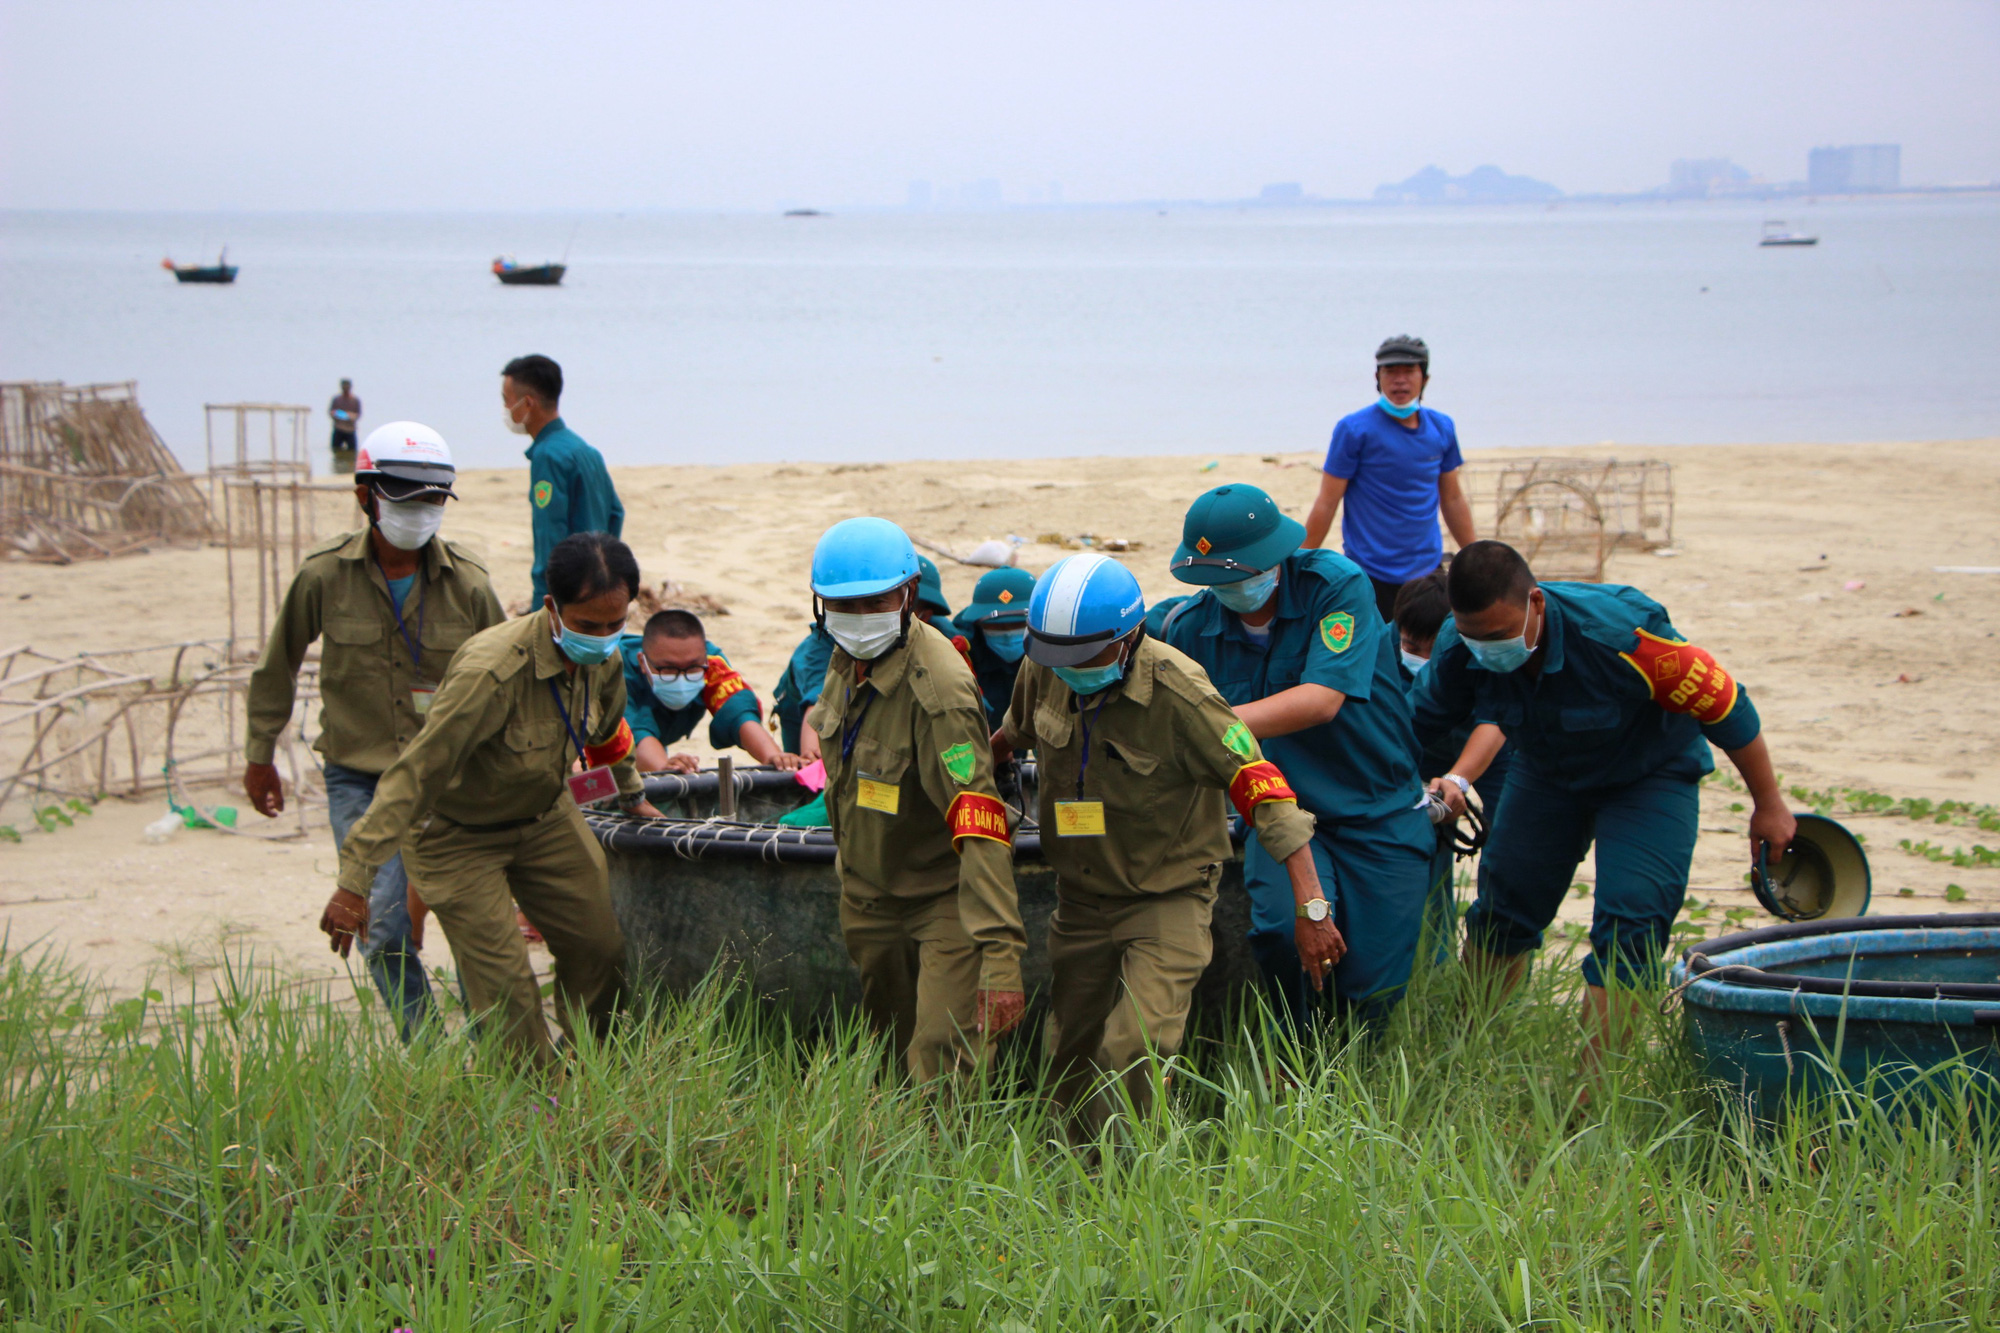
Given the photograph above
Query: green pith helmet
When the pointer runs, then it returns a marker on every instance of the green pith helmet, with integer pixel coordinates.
(1232, 533)
(1824, 873)
(1000, 594)
(930, 588)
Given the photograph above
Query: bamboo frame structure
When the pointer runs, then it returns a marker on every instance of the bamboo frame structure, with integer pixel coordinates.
(1567, 515)
(83, 475)
(137, 720)
(275, 519)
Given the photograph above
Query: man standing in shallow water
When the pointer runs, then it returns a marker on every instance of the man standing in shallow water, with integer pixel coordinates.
(1395, 463)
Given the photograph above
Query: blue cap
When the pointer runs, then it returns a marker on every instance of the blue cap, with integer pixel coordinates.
(1080, 607)
(861, 557)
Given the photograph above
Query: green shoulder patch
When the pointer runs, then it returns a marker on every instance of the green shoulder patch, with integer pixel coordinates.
(1238, 738)
(959, 761)
(1337, 632)
(543, 494)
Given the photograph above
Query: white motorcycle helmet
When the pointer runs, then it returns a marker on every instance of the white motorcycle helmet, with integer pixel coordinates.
(405, 460)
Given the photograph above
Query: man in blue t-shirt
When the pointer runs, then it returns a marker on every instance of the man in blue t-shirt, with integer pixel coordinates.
(1396, 465)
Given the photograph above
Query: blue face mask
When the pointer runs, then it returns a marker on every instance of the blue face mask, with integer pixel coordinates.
(1089, 680)
(1403, 413)
(584, 649)
(1412, 663)
(1502, 654)
(1247, 596)
(1008, 644)
(678, 689)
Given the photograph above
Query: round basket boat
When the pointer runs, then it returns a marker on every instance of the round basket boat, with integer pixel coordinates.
(1893, 1004)
(696, 891)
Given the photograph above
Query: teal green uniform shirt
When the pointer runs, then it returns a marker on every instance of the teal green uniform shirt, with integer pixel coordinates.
(569, 490)
(994, 673)
(798, 689)
(725, 699)
(1603, 711)
(1360, 767)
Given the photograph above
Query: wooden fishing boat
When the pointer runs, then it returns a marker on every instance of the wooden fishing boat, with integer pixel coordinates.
(540, 275)
(221, 271)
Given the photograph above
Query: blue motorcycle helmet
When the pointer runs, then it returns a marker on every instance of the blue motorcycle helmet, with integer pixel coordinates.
(1081, 606)
(862, 557)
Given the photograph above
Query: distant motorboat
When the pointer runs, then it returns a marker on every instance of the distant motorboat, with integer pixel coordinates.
(221, 271)
(514, 275)
(1777, 233)
(804, 213)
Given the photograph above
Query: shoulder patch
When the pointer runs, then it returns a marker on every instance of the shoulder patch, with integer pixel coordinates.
(1239, 740)
(1337, 632)
(543, 493)
(1683, 678)
(959, 761)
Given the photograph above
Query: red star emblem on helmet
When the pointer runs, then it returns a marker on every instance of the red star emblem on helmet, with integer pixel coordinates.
(1203, 546)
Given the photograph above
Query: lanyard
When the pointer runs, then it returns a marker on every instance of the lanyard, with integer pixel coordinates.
(574, 739)
(423, 609)
(850, 733)
(1087, 721)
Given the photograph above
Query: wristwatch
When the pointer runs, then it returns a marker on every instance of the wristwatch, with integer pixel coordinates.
(1315, 909)
(1464, 787)
(632, 801)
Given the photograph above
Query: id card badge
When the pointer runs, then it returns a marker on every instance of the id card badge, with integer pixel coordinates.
(593, 784)
(886, 797)
(420, 698)
(1079, 819)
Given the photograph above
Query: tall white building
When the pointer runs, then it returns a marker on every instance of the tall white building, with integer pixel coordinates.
(1855, 167)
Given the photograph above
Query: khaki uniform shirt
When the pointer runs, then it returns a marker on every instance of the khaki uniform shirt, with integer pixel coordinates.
(495, 750)
(909, 773)
(1166, 757)
(340, 597)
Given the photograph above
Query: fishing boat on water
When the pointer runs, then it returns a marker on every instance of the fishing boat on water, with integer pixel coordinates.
(221, 271)
(1776, 232)
(511, 273)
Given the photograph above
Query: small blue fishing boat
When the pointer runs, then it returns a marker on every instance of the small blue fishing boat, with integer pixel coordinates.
(1895, 1004)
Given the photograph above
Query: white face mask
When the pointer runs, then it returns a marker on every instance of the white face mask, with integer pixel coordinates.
(408, 524)
(517, 427)
(865, 636)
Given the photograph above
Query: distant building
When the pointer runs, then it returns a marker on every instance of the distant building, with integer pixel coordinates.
(1853, 168)
(1481, 185)
(920, 194)
(980, 194)
(1705, 176)
(1285, 192)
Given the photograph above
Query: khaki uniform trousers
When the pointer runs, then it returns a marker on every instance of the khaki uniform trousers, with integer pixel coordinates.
(1125, 971)
(919, 978)
(555, 870)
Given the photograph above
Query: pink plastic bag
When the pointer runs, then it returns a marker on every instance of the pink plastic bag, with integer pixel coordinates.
(813, 776)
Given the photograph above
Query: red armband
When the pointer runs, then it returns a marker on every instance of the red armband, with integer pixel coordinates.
(964, 646)
(721, 683)
(1257, 783)
(975, 815)
(611, 751)
(1683, 678)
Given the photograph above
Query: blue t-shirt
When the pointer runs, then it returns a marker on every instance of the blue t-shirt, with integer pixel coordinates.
(399, 590)
(1389, 517)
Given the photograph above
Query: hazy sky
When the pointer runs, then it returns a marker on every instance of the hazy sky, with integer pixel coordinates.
(569, 104)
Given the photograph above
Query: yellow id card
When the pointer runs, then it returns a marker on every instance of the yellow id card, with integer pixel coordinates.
(883, 796)
(420, 698)
(1079, 819)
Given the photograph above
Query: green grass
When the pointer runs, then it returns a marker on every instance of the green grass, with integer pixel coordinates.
(265, 1159)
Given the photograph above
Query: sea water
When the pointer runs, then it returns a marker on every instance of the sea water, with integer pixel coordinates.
(704, 338)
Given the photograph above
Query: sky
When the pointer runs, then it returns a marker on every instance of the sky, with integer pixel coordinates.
(375, 105)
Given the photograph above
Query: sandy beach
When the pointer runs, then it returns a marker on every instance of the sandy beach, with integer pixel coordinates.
(1808, 569)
